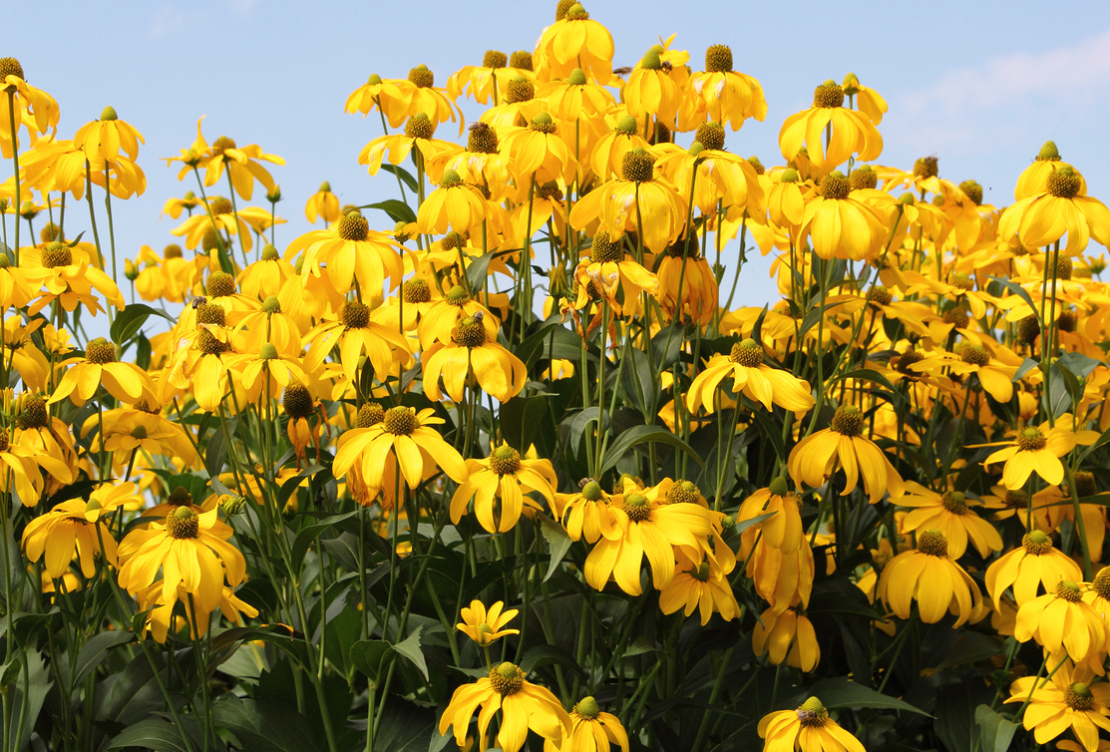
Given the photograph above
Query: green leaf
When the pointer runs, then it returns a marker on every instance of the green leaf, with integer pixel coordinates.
(1018, 290)
(544, 655)
(398, 211)
(769, 430)
(1026, 366)
(95, 650)
(996, 731)
(372, 657)
(558, 543)
(401, 172)
(842, 692)
(742, 525)
(306, 536)
(263, 726)
(477, 269)
(153, 734)
(643, 435)
(131, 319)
(1078, 364)
(867, 374)
(410, 649)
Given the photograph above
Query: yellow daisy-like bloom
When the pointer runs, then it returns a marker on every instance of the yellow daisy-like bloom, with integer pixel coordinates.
(124, 381)
(161, 618)
(523, 706)
(506, 478)
(453, 205)
(76, 526)
(783, 529)
(1034, 450)
(1068, 701)
(574, 41)
(1033, 180)
(471, 353)
(191, 550)
(127, 430)
(403, 438)
(700, 586)
(29, 101)
(420, 94)
(1031, 566)
(1064, 208)
(727, 96)
(608, 271)
(44, 434)
(347, 253)
(589, 513)
(721, 176)
(651, 529)
(538, 151)
(102, 140)
(607, 159)
(1062, 622)
(938, 584)
(418, 133)
(840, 225)
(355, 334)
(486, 626)
(440, 319)
(651, 92)
(816, 457)
(241, 162)
(751, 377)
(788, 637)
(687, 287)
(949, 513)
(638, 202)
(70, 274)
(852, 131)
(807, 729)
(323, 205)
(386, 96)
(490, 79)
(591, 730)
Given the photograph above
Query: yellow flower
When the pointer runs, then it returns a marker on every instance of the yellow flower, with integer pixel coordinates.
(124, 381)
(700, 586)
(28, 101)
(480, 82)
(840, 225)
(727, 96)
(589, 513)
(816, 457)
(750, 377)
(927, 575)
(1034, 450)
(323, 204)
(386, 96)
(591, 730)
(523, 706)
(486, 626)
(418, 133)
(161, 618)
(608, 271)
(453, 205)
(538, 152)
(419, 94)
(574, 41)
(191, 550)
(1064, 208)
(1034, 564)
(503, 477)
(852, 131)
(102, 140)
(651, 92)
(788, 637)
(69, 273)
(950, 514)
(242, 163)
(403, 438)
(651, 529)
(807, 729)
(355, 334)
(1062, 622)
(1069, 701)
(76, 525)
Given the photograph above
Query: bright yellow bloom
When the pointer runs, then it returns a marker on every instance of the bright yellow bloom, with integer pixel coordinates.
(950, 514)
(490, 79)
(76, 525)
(591, 731)
(403, 438)
(323, 204)
(523, 706)
(355, 334)
(1063, 623)
(787, 637)
(840, 225)
(590, 513)
(161, 618)
(538, 151)
(30, 102)
(651, 92)
(1034, 564)
(349, 253)
(418, 133)
(700, 586)
(419, 94)
(727, 96)
(386, 96)
(852, 131)
(102, 140)
(807, 729)
(499, 484)
(1064, 208)
(750, 377)
(816, 457)
(191, 550)
(70, 274)
(1069, 700)
(99, 368)
(453, 205)
(486, 626)
(242, 163)
(927, 575)
(574, 41)
(1034, 450)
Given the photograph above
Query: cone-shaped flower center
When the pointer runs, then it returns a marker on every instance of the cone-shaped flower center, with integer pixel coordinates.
(1078, 697)
(100, 351)
(637, 507)
(835, 186)
(683, 492)
(297, 401)
(1031, 440)
(506, 678)
(933, 543)
(354, 315)
(1064, 183)
(828, 95)
(747, 352)
(56, 254)
(370, 414)
(848, 421)
(955, 502)
(1036, 543)
(504, 460)
(182, 523)
(353, 226)
(812, 713)
(718, 59)
(220, 284)
(400, 421)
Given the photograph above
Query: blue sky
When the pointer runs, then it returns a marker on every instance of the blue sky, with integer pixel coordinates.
(980, 85)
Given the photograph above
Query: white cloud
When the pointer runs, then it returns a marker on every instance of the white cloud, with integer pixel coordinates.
(966, 103)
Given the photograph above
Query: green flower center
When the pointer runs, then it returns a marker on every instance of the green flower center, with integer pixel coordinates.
(637, 507)
(1036, 543)
(747, 353)
(683, 492)
(587, 708)
(183, 523)
(504, 460)
(1078, 697)
(56, 254)
(591, 491)
(506, 679)
(1031, 440)
(458, 296)
(1069, 591)
(955, 502)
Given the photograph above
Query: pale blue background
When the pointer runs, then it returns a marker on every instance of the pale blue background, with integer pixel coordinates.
(981, 85)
